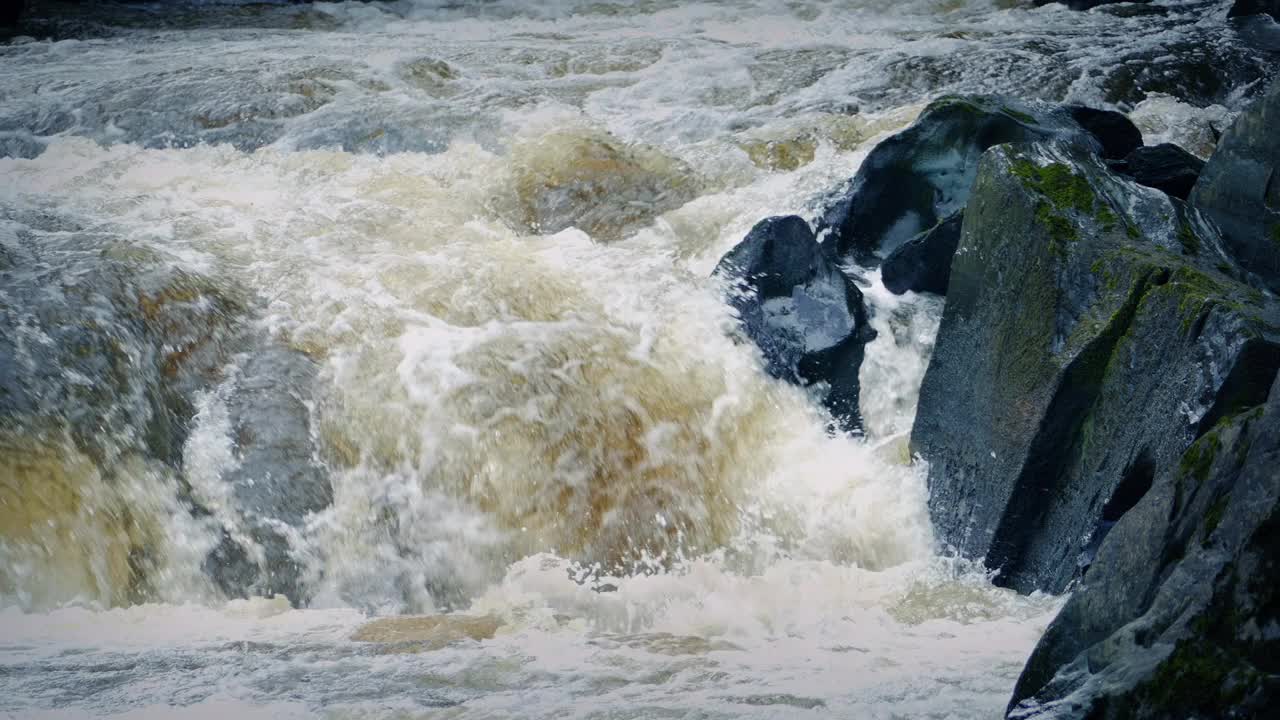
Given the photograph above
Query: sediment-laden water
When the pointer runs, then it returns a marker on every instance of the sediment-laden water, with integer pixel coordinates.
(425, 292)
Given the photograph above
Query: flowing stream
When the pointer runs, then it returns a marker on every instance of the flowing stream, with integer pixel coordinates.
(561, 485)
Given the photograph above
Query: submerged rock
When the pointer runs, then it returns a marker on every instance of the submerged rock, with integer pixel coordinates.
(1165, 167)
(923, 174)
(596, 183)
(277, 480)
(1093, 330)
(1240, 188)
(1178, 615)
(923, 263)
(795, 303)
(1114, 131)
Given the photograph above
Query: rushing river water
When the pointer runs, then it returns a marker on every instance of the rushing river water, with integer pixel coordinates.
(560, 483)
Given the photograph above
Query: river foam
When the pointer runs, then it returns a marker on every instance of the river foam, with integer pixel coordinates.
(491, 227)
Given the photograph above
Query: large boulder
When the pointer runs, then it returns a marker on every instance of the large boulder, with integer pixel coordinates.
(922, 175)
(1165, 167)
(805, 315)
(1179, 615)
(1240, 187)
(1094, 328)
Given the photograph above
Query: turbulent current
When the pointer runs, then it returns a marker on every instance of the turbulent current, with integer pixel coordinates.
(454, 259)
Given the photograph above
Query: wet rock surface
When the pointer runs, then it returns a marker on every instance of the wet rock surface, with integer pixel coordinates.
(108, 345)
(796, 304)
(1165, 167)
(1093, 330)
(1177, 616)
(1100, 409)
(1240, 188)
(916, 178)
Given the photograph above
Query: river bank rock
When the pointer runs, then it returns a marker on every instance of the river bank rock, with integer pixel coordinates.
(920, 176)
(1177, 616)
(1165, 167)
(796, 304)
(1240, 188)
(1093, 330)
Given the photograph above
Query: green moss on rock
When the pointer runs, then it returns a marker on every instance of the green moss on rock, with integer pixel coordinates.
(1198, 459)
(1019, 116)
(1065, 189)
(1188, 239)
(1213, 517)
(1193, 677)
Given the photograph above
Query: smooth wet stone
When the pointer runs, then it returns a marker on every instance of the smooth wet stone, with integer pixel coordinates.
(1178, 616)
(1239, 187)
(1114, 131)
(1244, 8)
(1093, 330)
(277, 482)
(923, 264)
(1165, 167)
(797, 305)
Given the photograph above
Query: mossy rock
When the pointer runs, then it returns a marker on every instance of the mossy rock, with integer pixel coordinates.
(915, 179)
(1168, 622)
(1073, 349)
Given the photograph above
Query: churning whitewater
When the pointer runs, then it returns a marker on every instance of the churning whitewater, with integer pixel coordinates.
(454, 260)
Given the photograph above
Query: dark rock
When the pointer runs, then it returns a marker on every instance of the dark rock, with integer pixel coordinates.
(1239, 187)
(923, 174)
(1093, 330)
(1178, 615)
(923, 264)
(277, 481)
(1166, 167)
(1114, 131)
(98, 334)
(805, 315)
(1243, 8)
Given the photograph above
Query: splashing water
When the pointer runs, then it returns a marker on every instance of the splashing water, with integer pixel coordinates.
(480, 235)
